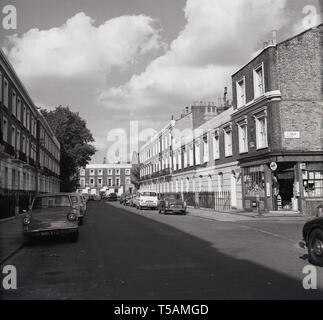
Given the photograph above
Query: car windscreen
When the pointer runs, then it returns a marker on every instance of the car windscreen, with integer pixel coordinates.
(149, 194)
(51, 202)
(172, 197)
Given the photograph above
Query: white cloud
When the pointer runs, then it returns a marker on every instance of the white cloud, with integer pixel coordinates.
(219, 36)
(80, 49)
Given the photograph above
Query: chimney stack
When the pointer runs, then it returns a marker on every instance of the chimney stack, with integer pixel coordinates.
(274, 33)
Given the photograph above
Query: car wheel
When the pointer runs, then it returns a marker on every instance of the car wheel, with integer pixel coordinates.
(159, 211)
(81, 221)
(74, 236)
(315, 247)
(184, 212)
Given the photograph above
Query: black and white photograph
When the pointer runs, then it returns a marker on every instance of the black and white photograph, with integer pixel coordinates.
(161, 151)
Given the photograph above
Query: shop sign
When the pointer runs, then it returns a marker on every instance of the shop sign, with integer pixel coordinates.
(292, 134)
(273, 166)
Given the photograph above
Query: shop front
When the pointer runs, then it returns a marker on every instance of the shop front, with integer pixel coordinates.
(281, 186)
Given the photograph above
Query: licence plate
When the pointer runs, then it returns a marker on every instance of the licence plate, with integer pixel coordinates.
(50, 233)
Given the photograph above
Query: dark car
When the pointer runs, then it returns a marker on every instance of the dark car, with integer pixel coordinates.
(313, 240)
(112, 197)
(127, 201)
(172, 203)
(51, 215)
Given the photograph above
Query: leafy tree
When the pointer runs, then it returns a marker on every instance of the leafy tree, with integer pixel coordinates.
(75, 138)
(135, 175)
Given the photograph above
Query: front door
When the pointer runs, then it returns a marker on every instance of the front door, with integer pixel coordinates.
(286, 188)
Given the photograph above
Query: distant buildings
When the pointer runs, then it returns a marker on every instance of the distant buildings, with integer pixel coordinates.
(265, 152)
(106, 178)
(29, 150)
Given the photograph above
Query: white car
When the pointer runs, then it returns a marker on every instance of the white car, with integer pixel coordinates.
(147, 199)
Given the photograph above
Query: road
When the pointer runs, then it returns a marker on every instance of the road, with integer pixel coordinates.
(127, 254)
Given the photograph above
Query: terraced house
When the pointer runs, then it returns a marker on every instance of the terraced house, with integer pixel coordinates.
(106, 178)
(196, 157)
(29, 152)
(277, 121)
(262, 153)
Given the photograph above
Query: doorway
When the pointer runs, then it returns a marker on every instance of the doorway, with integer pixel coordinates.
(286, 189)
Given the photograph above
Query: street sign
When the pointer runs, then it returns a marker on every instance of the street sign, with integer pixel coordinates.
(292, 134)
(273, 166)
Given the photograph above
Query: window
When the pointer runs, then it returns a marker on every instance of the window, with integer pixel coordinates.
(13, 136)
(110, 172)
(18, 140)
(243, 138)
(254, 181)
(258, 80)
(23, 144)
(117, 172)
(92, 172)
(100, 172)
(127, 172)
(5, 130)
(220, 182)
(19, 109)
(228, 142)
(27, 147)
(179, 159)
(313, 183)
(128, 181)
(216, 145)
(100, 182)
(14, 104)
(185, 157)
(82, 182)
(24, 116)
(205, 149)
(118, 182)
(197, 152)
(28, 120)
(261, 132)
(241, 93)
(109, 182)
(5, 92)
(82, 172)
(92, 182)
(191, 155)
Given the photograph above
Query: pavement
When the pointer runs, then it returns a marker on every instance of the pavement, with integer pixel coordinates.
(11, 239)
(127, 254)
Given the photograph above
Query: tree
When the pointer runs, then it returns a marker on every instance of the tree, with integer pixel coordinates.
(75, 138)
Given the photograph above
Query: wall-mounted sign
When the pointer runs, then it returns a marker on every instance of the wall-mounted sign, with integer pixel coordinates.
(292, 134)
(273, 166)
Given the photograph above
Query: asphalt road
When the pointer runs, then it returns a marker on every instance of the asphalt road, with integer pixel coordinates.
(127, 254)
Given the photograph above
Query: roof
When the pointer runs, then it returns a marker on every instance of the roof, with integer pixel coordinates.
(109, 166)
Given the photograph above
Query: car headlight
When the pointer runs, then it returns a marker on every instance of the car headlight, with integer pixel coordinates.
(26, 221)
(71, 216)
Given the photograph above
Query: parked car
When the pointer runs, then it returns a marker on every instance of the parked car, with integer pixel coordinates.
(78, 203)
(133, 200)
(313, 240)
(51, 215)
(146, 199)
(96, 197)
(172, 203)
(128, 200)
(112, 197)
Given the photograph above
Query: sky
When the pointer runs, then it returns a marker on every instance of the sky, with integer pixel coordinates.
(124, 64)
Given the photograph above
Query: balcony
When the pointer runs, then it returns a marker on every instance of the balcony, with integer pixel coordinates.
(7, 149)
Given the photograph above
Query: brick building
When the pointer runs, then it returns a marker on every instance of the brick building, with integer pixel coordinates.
(106, 178)
(277, 122)
(29, 151)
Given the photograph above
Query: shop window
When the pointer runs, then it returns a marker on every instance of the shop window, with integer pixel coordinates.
(313, 183)
(254, 182)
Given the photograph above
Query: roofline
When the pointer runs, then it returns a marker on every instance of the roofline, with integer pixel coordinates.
(275, 45)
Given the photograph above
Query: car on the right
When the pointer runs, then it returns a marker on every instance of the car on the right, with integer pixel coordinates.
(313, 240)
(172, 203)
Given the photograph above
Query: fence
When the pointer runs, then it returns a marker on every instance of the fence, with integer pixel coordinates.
(12, 199)
(219, 201)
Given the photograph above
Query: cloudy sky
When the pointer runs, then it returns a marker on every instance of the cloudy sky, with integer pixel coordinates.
(117, 61)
